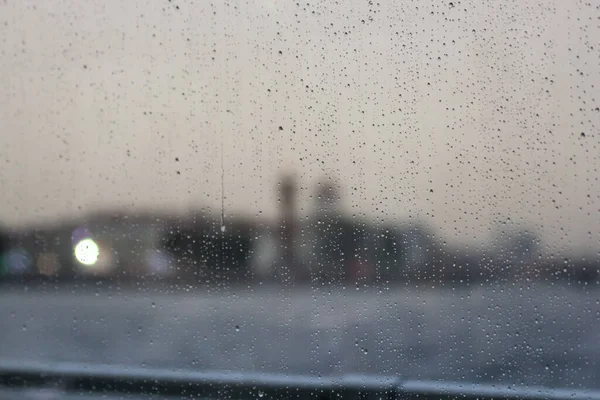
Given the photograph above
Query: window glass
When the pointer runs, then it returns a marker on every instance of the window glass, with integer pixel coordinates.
(321, 188)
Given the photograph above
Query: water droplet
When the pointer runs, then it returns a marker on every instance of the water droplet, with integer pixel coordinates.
(222, 228)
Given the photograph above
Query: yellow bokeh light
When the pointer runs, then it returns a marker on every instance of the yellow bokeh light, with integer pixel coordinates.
(87, 252)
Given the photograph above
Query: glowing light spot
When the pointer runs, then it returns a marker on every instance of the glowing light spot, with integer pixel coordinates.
(48, 264)
(18, 261)
(87, 252)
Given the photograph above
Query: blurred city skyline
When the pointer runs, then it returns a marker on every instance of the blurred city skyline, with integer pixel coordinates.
(132, 106)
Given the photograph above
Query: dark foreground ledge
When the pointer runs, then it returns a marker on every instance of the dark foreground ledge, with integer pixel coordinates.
(121, 380)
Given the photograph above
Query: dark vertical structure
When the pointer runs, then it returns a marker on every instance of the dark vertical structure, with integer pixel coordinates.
(328, 232)
(287, 195)
(4, 247)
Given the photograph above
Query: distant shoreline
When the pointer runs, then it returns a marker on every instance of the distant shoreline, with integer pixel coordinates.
(36, 284)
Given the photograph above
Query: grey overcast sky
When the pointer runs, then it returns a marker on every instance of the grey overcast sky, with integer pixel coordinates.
(462, 113)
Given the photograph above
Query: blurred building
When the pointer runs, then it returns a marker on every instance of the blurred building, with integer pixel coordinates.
(128, 245)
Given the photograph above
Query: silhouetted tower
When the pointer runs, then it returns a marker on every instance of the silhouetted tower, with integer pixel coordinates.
(328, 232)
(287, 196)
(327, 199)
